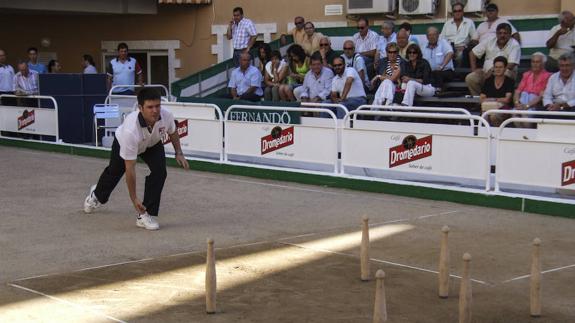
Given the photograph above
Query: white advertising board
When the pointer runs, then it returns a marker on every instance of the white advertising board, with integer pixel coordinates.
(37, 121)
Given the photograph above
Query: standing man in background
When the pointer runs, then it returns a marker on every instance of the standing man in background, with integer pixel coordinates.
(243, 34)
(6, 75)
(123, 70)
(33, 62)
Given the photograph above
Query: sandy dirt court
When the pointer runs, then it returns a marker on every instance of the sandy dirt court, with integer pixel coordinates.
(285, 252)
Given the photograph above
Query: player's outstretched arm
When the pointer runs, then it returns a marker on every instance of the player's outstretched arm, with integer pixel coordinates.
(182, 161)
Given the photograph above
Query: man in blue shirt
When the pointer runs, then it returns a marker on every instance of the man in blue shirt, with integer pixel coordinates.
(246, 81)
(439, 54)
(33, 63)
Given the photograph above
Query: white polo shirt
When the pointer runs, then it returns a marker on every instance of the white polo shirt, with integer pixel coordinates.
(6, 78)
(460, 36)
(489, 48)
(338, 83)
(564, 42)
(486, 31)
(134, 137)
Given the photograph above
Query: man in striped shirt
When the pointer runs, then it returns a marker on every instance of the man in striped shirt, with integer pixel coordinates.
(26, 80)
(243, 34)
(366, 41)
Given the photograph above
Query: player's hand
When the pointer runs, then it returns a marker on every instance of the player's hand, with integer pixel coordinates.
(182, 161)
(140, 208)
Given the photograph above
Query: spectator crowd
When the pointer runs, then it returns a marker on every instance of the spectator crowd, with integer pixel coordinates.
(394, 67)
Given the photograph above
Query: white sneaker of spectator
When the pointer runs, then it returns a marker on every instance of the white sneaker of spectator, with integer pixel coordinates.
(147, 221)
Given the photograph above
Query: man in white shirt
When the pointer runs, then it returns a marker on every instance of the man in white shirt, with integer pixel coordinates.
(560, 40)
(355, 60)
(366, 41)
(246, 81)
(387, 36)
(502, 45)
(6, 75)
(346, 87)
(559, 94)
(140, 135)
(439, 53)
(461, 33)
(26, 80)
(317, 82)
(487, 29)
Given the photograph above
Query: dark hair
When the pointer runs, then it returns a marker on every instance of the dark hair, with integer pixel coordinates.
(89, 58)
(267, 51)
(416, 48)
(501, 59)
(455, 4)
(22, 61)
(51, 65)
(239, 9)
(338, 57)
(316, 57)
(505, 26)
(363, 19)
(406, 26)
(491, 6)
(32, 49)
(298, 51)
(122, 46)
(276, 54)
(148, 94)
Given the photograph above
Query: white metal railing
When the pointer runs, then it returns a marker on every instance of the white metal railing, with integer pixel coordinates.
(40, 97)
(292, 109)
(429, 116)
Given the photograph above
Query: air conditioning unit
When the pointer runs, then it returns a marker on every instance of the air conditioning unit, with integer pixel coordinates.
(370, 6)
(418, 7)
(470, 5)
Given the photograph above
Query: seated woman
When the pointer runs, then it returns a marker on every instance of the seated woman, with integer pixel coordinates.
(388, 72)
(497, 91)
(529, 93)
(264, 53)
(416, 77)
(275, 73)
(298, 67)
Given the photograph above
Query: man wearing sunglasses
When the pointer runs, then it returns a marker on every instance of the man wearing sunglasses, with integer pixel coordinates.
(325, 51)
(356, 61)
(366, 41)
(346, 87)
(461, 33)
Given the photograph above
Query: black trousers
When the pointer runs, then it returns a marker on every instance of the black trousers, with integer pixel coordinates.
(154, 157)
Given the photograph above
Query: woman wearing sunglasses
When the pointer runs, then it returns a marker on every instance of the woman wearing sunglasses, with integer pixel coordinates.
(416, 77)
(389, 70)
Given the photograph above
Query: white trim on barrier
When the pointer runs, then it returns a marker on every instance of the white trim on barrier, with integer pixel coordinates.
(133, 86)
(203, 105)
(527, 120)
(325, 105)
(420, 109)
(528, 112)
(294, 109)
(121, 96)
(39, 97)
(430, 116)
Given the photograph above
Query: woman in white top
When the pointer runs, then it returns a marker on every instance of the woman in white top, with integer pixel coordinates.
(275, 74)
(88, 64)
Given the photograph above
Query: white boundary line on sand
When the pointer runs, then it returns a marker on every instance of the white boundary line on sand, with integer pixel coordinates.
(380, 261)
(543, 272)
(63, 301)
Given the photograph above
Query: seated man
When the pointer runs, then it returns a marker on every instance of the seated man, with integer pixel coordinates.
(325, 51)
(560, 40)
(502, 45)
(317, 82)
(407, 27)
(488, 29)
(560, 91)
(402, 42)
(366, 44)
(26, 80)
(438, 52)
(387, 36)
(246, 81)
(346, 87)
(460, 32)
(355, 60)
